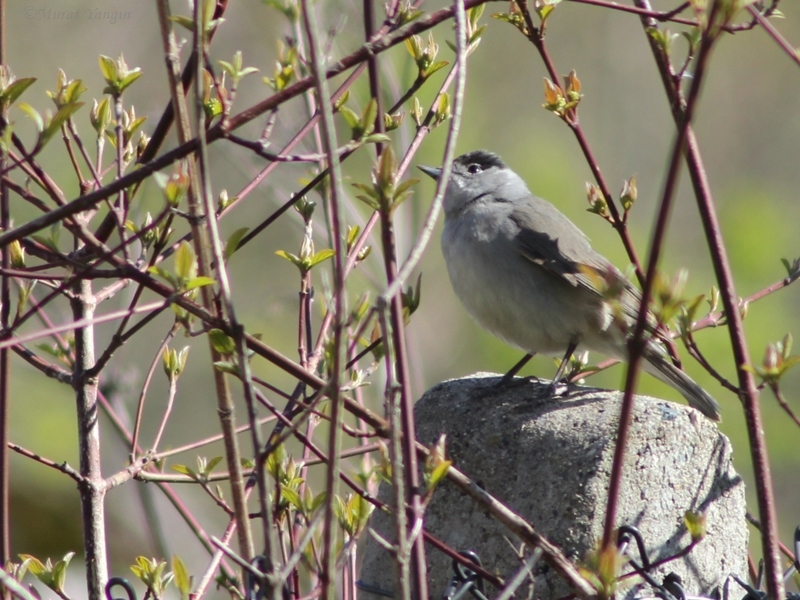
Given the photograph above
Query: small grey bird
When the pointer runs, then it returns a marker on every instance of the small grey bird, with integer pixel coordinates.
(528, 275)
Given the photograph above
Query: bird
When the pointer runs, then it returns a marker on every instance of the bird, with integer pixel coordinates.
(529, 275)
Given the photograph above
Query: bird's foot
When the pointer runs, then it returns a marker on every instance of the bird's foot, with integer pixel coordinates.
(558, 388)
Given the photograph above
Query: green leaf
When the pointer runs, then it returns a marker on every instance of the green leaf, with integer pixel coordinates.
(292, 258)
(212, 463)
(100, 116)
(184, 470)
(377, 138)
(183, 21)
(33, 114)
(695, 524)
(164, 274)
(129, 79)
(60, 572)
(108, 67)
(406, 185)
(350, 116)
(435, 67)
(292, 497)
(34, 565)
(14, 90)
(438, 473)
(61, 117)
(321, 256)
(182, 579)
(224, 366)
(369, 116)
(198, 282)
(207, 13)
(221, 342)
(174, 362)
(232, 245)
(185, 262)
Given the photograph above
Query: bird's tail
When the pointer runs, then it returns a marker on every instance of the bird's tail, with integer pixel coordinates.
(659, 366)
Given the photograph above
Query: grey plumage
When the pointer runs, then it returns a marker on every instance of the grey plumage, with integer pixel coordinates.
(527, 274)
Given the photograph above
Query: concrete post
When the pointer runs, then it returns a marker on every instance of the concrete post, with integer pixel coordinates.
(549, 459)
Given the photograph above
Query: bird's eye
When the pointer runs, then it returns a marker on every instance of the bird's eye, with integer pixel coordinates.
(474, 168)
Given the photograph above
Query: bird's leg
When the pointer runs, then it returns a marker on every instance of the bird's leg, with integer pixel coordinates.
(562, 367)
(515, 369)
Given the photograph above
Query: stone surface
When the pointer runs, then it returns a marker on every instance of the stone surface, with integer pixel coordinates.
(549, 459)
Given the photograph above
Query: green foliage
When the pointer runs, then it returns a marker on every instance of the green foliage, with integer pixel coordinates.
(436, 466)
(207, 23)
(50, 241)
(151, 573)
(205, 467)
(148, 233)
(668, 299)
(293, 493)
(560, 101)
(602, 569)
(441, 110)
(544, 8)
(513, 17)
(17, 255)
(129, 124)
(50, 574)
(232, 245)
(221, 342)
(361, 126)
(384, 195)
(353, 232)
(174, 362)
(12, 88)
(289, 8)
(175, 186)
(183, 581)
(285, 68)
(213, 95)
(474, 31)
(695, 524)
(663, 38)
(424, 56)
(306, 261)
(417, 112)
(407, 13)
(185, 278)
(778, 359)
(117, 75)
(411, 298)
(392, 122)
(597, 202)
(628, 194)
(67, 92)
(236, 69)
(305, 208)
(23, 295)
(352, 513)
(48, 126)
(100, 116)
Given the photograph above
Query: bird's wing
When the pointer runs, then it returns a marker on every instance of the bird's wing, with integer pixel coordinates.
(569, 256)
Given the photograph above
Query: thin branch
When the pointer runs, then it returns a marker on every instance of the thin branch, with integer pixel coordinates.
(333, 216)
(636, 344)
(748, 390)
(63, 467)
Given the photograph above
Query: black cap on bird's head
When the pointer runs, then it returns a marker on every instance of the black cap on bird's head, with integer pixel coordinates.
(471, 162)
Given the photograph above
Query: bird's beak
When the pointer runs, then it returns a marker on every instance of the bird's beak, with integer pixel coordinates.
(432, 172)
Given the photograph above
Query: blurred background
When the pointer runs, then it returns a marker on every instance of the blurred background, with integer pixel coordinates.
(748, 126)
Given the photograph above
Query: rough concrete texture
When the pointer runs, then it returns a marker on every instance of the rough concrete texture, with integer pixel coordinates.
(549, 459)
